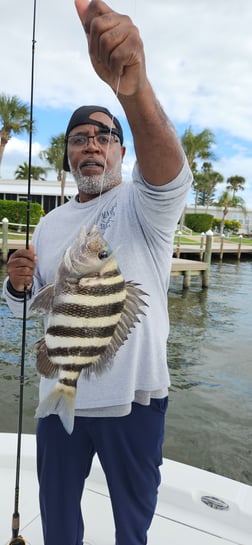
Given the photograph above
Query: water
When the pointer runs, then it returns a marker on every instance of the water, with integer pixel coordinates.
(208, 423)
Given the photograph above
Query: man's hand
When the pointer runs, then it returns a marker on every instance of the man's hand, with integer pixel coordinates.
(117, 54)
(115, 47)
(20, 266)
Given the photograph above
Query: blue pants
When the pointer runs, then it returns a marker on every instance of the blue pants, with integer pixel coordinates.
(130, 451)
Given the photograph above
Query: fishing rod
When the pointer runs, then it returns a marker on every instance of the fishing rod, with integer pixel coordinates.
(16, 538)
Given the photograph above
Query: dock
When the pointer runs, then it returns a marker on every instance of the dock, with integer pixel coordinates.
(15, 244)
(218, 249)
(182, 265)
(188, 268)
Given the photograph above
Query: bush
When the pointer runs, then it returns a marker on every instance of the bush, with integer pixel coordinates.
(16, 212)
(231, 226)
(199, 222)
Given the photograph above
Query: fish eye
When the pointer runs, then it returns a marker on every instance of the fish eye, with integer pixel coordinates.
(103, 254)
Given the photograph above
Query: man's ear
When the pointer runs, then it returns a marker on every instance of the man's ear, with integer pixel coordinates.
(123, 151)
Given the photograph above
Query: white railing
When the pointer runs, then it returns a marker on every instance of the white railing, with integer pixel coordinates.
(4, 223)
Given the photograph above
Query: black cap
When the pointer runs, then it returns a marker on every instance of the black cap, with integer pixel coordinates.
(81, 117)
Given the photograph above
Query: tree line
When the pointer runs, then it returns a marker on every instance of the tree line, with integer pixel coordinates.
(15, 118)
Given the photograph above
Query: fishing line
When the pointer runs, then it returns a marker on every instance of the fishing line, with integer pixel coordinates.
(110, 132)
(107, 152)
(16, 538)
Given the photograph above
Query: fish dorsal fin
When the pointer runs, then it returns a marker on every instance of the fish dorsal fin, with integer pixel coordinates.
(132, 307)
(42, 302)
(44, 365)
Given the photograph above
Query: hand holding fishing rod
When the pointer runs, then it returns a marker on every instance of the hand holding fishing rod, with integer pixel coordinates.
(21, 265)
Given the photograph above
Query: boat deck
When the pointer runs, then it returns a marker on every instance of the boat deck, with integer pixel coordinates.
(181, 517)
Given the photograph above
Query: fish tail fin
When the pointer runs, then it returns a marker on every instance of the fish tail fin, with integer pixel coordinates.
(59, 402)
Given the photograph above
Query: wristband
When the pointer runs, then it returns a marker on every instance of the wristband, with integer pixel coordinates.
(15, 293)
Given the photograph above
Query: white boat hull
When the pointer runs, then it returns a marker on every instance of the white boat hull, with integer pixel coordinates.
(181, 516)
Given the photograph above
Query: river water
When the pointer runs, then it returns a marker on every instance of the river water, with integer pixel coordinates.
(209, 421)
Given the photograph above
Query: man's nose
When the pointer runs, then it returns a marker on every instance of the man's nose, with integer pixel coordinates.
(91, 140)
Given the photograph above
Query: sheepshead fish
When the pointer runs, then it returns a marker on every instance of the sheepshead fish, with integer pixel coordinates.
(91, 311)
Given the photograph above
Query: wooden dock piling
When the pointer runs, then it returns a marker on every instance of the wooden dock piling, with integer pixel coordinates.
(5, 225)
(188, 267)
(207, 259)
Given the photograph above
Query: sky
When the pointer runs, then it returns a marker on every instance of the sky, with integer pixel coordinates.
(198, 57)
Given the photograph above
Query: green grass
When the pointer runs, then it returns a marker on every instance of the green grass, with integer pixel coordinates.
(186, 240)
(195, 239)
(247, 241)
(14, 236)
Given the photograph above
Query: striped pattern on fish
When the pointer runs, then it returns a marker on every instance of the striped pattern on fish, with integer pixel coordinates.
(91, 311)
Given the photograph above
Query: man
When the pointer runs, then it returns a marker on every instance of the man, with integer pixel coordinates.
(120, 414)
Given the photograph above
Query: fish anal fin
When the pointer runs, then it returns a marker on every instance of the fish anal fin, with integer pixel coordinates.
(42, 302)
(44, 365)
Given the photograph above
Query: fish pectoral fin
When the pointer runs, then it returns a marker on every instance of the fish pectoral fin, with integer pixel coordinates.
(42, 302)
(44, 365)
(57, 403)
(128, 318)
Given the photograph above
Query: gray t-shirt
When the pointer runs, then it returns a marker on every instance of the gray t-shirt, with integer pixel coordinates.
(138, 221)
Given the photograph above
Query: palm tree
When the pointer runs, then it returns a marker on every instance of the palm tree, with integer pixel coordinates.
(227, 201)
(198, 146)
(37, 173)
(54, 156)
(235, 183)
(14, 118)
(204, 184)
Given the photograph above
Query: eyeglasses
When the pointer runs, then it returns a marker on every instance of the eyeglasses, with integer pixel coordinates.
(101, 140)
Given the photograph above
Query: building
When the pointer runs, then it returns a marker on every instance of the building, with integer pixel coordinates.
(47, 194)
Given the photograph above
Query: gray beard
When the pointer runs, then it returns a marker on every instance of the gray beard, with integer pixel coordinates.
(99, 183)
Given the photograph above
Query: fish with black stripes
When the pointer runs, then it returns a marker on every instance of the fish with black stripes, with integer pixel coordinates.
(91, 311)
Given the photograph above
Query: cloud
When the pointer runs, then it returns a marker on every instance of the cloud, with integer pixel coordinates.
(16, 153)
(16, 145)
(198, 57)
(198, 54)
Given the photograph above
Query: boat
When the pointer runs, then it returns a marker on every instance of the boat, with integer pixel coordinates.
(194, 506)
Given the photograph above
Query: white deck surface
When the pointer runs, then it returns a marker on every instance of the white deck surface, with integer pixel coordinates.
(181, 517)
